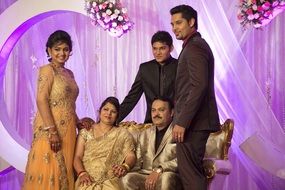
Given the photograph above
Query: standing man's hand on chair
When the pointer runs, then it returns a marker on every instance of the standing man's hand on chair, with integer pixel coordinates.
(178, 133)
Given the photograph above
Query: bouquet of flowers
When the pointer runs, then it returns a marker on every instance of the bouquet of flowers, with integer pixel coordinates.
(110, 15)
(258, 12)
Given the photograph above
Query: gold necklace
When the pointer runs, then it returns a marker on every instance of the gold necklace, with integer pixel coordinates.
(102, 133)
(57, 66)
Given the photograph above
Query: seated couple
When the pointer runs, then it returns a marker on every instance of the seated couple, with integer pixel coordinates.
(105, 156)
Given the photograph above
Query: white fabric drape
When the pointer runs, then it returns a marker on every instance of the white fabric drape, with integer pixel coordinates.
(249, 72)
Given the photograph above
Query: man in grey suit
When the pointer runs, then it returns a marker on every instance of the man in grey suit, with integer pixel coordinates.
(154, 78)
(156, 166)
(195, 113)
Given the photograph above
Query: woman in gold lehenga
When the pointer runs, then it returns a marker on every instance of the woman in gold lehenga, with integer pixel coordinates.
(105, 152)
(50, 159)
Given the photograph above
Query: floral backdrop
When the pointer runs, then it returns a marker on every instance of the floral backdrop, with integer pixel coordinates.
(110, 15)
(259, 12)
(249, 74)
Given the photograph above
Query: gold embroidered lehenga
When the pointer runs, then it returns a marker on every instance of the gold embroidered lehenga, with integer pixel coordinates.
(47, 170)
(101, 153)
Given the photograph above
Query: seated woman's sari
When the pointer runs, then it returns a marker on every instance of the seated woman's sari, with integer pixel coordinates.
(101, 154)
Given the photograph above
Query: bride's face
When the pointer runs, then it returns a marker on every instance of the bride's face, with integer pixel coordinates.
(108, 114)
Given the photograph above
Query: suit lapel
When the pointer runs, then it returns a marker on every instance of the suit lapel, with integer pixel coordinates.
(152, 140)
(190, 39)
(164, 141)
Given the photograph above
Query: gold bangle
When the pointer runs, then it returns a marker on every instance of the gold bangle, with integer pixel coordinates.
(81, 173)
(48, 127)
(126, 166)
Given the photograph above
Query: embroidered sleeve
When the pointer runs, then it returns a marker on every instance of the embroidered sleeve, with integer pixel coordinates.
(70, 73)
(86, 135)
(45, 81)
(129, 144)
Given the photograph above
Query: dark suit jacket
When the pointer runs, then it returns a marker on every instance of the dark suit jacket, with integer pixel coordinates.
(148, 82)
(195, 102)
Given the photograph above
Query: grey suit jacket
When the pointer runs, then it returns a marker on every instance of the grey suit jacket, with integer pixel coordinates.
(148, 159)
(195, 103)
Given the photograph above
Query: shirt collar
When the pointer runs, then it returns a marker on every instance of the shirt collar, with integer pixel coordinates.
(189, 37)
(166, 62)
(162, 130)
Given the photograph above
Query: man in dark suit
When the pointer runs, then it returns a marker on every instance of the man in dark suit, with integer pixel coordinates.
(195, 110)
(155, 78)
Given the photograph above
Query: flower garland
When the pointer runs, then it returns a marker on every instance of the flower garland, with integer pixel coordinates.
(258, 12)
(110, 15)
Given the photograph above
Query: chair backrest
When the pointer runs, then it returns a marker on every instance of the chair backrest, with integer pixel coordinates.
(134, 128)
(218, 143)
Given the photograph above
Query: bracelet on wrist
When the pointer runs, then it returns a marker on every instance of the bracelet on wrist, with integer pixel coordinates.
(81, 173)
(48, 127)
(158, 170)
(126, 166)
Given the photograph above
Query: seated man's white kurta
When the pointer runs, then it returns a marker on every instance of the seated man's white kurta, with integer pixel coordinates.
(156, 166)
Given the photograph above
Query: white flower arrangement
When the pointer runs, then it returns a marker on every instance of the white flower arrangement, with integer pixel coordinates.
(110, 15)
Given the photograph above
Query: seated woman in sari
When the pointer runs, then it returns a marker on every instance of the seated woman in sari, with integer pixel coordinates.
(105, 152)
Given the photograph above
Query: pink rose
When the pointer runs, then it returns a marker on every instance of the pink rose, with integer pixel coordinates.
(107, 19)
(240, 16)
(249, 12)
(266, 5)
(259, 9)
(250, 17)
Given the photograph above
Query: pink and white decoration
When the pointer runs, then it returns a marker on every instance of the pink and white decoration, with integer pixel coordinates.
(110, 15)
(259, 12)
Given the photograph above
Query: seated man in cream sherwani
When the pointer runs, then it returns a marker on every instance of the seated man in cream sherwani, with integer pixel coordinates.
(156, 167)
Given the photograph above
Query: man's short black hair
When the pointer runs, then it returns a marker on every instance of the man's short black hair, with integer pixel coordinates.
(163, 37)
(187, 13)
(165, 99)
